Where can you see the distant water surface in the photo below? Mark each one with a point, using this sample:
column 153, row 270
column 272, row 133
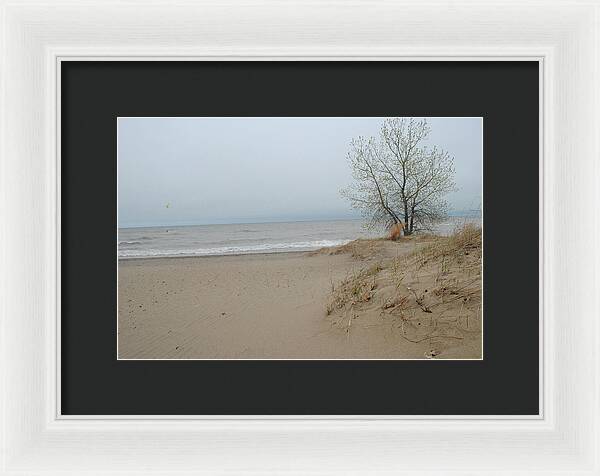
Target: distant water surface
column 212, row 240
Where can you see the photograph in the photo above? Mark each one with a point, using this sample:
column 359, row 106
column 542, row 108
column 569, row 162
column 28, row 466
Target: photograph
column 284, row 238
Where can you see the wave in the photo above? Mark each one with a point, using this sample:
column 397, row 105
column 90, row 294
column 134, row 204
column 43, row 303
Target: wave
column 233, row 250
column 130, row 243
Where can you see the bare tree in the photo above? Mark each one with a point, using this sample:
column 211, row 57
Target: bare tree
column 399, row 179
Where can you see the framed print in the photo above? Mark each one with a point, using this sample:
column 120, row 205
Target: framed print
column 329, row 239
column 226, row 264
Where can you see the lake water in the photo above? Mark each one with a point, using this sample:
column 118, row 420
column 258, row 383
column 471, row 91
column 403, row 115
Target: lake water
column 211, row 240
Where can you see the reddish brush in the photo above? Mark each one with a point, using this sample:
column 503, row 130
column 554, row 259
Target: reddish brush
column 396, row 231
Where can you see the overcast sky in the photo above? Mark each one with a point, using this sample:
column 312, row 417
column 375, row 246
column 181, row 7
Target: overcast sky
column 182, row 171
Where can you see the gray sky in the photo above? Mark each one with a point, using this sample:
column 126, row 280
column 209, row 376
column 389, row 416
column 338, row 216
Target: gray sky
column 174, row 171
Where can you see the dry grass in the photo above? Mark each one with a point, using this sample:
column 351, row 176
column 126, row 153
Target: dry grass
column 464, row 241
column 356, row 288
column 432, row 293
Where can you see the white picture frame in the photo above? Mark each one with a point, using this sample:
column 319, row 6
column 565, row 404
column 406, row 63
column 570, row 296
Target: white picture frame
column 562, row 35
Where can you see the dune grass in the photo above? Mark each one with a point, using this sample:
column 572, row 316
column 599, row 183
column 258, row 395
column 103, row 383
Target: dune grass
column 433, row 290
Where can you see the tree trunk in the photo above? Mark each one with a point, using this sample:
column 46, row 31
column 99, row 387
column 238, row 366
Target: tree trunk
column 407, row 229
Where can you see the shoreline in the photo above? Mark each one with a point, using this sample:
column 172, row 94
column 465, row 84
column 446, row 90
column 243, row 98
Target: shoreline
column 266, row 239
column 263, row 253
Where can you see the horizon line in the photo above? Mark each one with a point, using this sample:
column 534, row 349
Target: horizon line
column 454, row 213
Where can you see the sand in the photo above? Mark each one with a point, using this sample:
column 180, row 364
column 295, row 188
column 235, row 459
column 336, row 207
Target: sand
column 291, row 306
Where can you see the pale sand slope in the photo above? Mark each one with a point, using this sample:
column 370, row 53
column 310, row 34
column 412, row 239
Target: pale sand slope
column 265, row 306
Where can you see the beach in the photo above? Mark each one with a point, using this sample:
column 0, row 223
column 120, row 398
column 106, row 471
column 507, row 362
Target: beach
column 363, row 300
